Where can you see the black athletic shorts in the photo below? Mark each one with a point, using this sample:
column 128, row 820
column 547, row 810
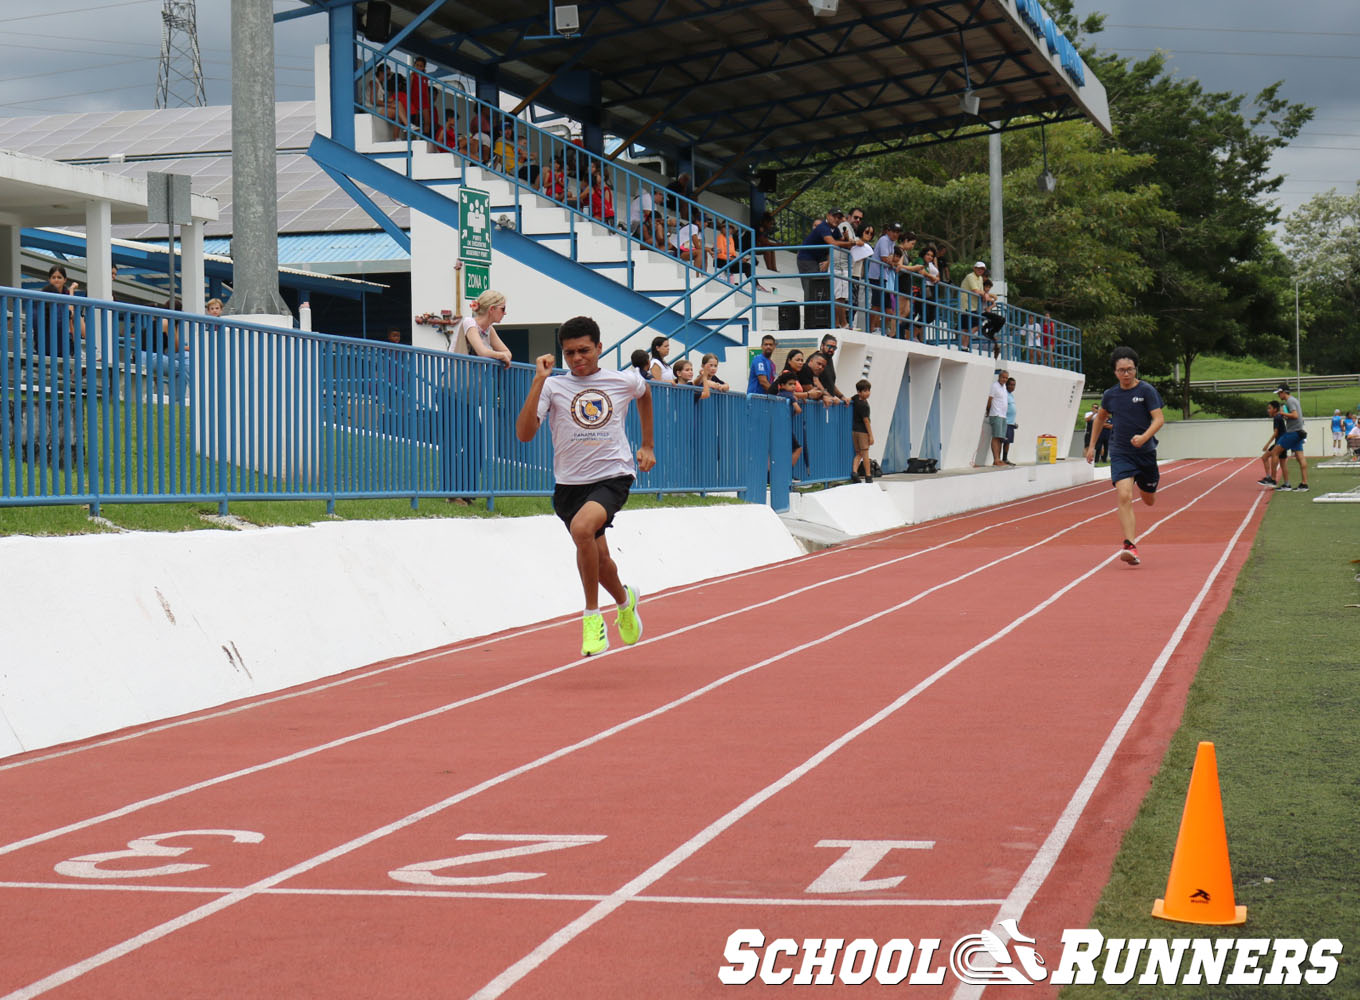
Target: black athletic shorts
column 611, row 494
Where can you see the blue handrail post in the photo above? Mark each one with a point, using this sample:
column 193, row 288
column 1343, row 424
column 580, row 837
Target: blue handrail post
column 780, row 445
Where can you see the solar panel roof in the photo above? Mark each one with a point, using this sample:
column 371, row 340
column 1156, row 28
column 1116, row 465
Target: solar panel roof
column 197, row 142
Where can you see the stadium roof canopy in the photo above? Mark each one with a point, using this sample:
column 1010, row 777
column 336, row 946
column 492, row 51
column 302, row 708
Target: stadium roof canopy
column 768, row 83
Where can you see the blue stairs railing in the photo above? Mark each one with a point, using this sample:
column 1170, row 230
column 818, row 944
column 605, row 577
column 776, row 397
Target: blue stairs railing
column 600, row 196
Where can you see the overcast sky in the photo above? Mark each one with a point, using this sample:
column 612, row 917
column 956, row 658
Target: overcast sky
column 69, row 55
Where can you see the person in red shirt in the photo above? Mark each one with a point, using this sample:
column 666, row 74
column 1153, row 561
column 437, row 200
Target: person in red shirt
column 420, row 102
column 601, row 196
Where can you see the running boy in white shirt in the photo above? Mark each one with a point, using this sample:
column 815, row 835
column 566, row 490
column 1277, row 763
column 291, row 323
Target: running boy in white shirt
column 592, row 464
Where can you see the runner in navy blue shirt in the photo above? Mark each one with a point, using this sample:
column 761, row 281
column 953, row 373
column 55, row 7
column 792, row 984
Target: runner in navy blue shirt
column 1135, row 410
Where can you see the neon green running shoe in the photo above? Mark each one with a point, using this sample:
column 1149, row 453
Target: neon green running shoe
column 628, row 620
column 594, row 638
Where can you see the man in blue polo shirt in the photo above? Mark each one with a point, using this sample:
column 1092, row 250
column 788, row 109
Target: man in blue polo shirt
column 762, row 368
column 1136, row 410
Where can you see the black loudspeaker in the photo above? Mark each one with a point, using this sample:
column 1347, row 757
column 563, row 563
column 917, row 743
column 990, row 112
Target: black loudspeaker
column 768, row 181
column 378, row 21
column 788, row 316
column 817, row 316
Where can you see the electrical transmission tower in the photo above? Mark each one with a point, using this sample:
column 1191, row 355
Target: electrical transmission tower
column 179, row 81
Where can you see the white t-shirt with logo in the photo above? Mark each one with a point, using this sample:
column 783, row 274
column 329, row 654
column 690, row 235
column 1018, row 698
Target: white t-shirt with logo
column 586, row 416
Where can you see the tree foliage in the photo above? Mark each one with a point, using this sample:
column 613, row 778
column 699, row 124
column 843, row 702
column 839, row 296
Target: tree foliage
column 1158, row 236
column 1322, row 240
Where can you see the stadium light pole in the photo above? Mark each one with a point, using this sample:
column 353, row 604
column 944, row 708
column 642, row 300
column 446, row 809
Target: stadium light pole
column 254, row 179
column 1298, row 365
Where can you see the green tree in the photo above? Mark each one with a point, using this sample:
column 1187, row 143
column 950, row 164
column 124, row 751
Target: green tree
column 1210, row 155
column 1322, row 240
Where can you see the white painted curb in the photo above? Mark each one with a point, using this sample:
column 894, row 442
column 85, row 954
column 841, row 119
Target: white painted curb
column 101, row 632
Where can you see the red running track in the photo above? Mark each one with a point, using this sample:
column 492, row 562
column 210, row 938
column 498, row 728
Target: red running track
column 910, row 737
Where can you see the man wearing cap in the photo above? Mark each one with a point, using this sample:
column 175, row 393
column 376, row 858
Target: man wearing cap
column 811, row 260
column 1338, row 434
column 970, row 303
column 1291, row 440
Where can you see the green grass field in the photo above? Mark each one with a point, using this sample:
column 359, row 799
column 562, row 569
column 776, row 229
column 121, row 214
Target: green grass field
column 1316, row 403
column 74, row 519
column 1278, row 694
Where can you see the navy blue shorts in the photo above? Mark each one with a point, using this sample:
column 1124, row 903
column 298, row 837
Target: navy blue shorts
column 1140, row 466
column 1290, row 441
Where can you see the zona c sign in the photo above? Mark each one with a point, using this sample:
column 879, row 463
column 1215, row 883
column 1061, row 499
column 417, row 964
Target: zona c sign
column 476, row 279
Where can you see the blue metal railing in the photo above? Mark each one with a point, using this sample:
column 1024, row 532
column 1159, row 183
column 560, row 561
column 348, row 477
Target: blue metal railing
column 912, row 307
column 593, row 188
column 105, row 402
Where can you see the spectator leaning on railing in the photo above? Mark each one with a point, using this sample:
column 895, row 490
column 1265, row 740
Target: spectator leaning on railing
column 827, row 353
column 762, row 367
column 815, row 258
column 811, row 377
column 923, row 306
column 876, row 271
column 970, row 302
column 909, row 278
column 707, row 379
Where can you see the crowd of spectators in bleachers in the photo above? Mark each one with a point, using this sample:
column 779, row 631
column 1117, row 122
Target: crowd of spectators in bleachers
column 854, row 272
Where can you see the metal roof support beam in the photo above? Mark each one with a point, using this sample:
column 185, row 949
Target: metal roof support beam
column 815, row 116
column 415, row 22
column 766, row 66
column 341, row 163
column 892, row 140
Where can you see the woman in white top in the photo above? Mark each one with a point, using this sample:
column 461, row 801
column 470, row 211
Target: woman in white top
column 477, row 336
column 661, row 346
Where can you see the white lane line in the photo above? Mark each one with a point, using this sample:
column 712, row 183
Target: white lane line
column 479, row 643
column 811, row 902
column 472, row 699
column 1042, row 866
column 565, row 935
column 191, row 917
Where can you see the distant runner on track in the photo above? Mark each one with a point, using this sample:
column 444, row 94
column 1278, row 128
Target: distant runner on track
column 592, row 464
column 1136, row 409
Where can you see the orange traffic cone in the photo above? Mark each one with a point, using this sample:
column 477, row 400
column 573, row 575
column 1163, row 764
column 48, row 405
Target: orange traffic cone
column 1199, row 889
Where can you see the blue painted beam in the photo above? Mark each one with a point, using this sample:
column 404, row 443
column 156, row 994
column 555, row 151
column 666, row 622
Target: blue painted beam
column 151, row 258
column 636, row 306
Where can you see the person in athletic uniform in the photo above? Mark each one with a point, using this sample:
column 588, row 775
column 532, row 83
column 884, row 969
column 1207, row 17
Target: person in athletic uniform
column 1136, row 409
column 592, row 464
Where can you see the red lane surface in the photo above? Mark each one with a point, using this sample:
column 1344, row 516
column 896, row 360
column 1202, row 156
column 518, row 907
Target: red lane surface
column 687, row 771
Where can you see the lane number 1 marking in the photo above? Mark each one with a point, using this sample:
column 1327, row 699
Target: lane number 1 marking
column 847, row 874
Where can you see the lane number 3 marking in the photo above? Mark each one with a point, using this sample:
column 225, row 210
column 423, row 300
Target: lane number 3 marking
column 88, row 865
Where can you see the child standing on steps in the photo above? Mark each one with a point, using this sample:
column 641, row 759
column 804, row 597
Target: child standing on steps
column 861, row 433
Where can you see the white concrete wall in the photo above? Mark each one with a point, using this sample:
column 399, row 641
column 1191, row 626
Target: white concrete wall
column 865, row 508
column 1232, row 438
column 107, row 631
column 1047, row 399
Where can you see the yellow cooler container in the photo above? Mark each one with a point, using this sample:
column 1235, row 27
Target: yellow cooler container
column 1046, row 450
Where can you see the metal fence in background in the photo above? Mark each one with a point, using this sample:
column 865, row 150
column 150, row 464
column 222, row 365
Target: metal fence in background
column 104, row 402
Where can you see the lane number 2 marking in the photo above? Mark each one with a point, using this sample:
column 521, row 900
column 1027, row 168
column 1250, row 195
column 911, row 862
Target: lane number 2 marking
column 427, row 872
column 88, row 865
